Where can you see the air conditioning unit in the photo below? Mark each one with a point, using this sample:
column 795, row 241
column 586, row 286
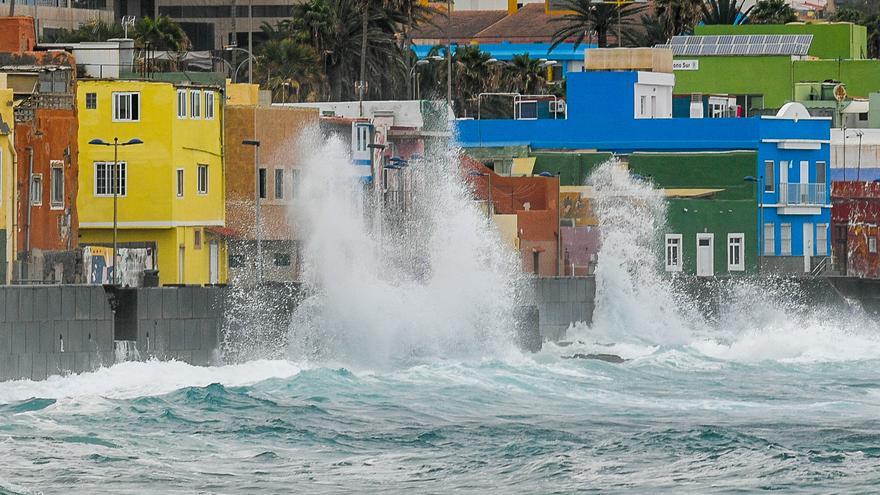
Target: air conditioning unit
column 557, row 106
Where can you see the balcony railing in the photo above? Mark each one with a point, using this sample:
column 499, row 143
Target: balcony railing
column 803, row 194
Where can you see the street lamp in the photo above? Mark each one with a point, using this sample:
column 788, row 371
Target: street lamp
column 259, row 227
column 859, row 162
column 489, row 204
column 412, row 73
column 250, row 58
column 115, row 185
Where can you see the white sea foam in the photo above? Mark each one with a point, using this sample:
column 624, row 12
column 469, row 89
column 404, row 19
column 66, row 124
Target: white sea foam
column 141, row 379
column 441, row 284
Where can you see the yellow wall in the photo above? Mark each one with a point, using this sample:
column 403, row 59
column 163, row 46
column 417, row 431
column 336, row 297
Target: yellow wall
column 7, row 176
column 242, row 93
column 507, row 227
column 151, row 209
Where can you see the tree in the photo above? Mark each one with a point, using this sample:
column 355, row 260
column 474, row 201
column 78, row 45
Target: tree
column 525, row 75
column 678, row 16
column 772, row 12
column 652, row 32
column 847, row 14
column 724, row 12
column 586, row 17
column 873, row 24
column 161, row 34
column 288, row 68
column 93, row 30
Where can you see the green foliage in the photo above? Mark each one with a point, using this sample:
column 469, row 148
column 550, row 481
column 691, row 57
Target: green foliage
column 724, row 12
column 586, row 17
column 161, row 33
column 652, row 32
column 93, row 30
column 848, row 14
column 678, row 16
column 772, row 12
column 290, row 70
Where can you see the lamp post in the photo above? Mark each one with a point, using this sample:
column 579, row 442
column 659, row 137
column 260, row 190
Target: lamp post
column 412, row 73
column 859, row 162
column 258, row 223
column 115, row 186
column 250, row 59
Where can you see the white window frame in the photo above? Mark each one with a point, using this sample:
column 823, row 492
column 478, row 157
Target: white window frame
column 123, row 180
column 769, row 179
column 279, row 187
column 179, row 182
column 769, row 239
column 679, row 244
column 822, row 247
column 202, row 185
column 872, row 245
column 36, row 190
column 195, row 104
column 181, row 103
column 116, row 98
column 53, row 166
column 740, row 245
column 209, row 105
column 784, row 244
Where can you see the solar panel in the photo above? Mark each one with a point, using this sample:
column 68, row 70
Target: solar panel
column 741, row 44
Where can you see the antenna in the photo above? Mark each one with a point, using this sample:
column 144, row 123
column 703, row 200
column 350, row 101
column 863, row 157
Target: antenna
column 127, row 21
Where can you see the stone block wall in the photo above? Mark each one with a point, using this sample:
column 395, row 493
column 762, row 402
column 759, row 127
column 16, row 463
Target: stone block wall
column 562, row 301
column 52, row 330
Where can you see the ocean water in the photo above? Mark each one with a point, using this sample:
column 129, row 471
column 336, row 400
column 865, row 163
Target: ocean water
column 697, row 418
column 399, row 375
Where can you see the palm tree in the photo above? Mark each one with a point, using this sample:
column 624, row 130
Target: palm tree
column 285, row 66
column 161, row 33
column 847, row 14
column 872, row 22
column 587, row 16
column 93, row 30
column 772, row 12
column 652, row 32
column 525, row 75
column 724, row 12
column 678, row 16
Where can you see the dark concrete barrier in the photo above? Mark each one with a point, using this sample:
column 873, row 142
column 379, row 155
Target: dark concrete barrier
column 562, row 301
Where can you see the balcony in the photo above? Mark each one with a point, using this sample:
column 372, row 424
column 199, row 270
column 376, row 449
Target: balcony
column 797, row 194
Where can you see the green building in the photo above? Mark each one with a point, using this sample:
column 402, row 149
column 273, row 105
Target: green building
column 767, row 80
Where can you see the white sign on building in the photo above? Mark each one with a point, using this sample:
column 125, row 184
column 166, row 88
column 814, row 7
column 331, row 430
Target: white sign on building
column 685, row 65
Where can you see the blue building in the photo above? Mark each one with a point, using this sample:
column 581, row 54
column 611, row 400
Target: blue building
column 631, row 112
column 567, row 57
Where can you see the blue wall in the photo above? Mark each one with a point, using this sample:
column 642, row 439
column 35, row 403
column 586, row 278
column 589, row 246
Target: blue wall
column 565, row 52
column 601, row 116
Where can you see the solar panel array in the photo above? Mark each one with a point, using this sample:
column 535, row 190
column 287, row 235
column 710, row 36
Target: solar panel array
column 741, row 44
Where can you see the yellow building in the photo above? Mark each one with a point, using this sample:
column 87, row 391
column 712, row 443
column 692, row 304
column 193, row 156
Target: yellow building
column 7, row 184
column 171, row 194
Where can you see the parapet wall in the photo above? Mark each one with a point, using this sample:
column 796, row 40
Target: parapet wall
column 562, row 301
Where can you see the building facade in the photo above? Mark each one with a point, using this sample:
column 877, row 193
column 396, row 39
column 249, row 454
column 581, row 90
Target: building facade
column 171, row 188
column 856, row 228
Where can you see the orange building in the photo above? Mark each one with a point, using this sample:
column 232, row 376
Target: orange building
column 43, row 85
column 280, row 132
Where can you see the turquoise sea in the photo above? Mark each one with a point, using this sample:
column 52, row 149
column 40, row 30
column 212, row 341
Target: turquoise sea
column 699, row 418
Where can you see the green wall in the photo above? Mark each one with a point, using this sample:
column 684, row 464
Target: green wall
column 774, row 77
column 830, row 40
column 720, row 217
column 700, row 170
column 572, row 167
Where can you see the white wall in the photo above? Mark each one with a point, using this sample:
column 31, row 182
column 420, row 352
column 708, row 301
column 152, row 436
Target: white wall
column 653, row 95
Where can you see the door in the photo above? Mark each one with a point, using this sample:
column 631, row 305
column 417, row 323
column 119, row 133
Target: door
column 215, row 263
column 180, row 265
column 808, row 247
column 841, row 247
column 705, row 255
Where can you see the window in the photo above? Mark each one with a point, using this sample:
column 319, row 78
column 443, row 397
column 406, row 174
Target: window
column 203, row 179
column 363, row 132
column 282, row 259
column 37, row 190
column 236, row 261
column 54, row 81
column 863, row 116
column 294, row 183
column 735, row 246
column 820, row 174
column 181, row 103
column 197, row 238
column 673, row 253
column 769, row 239
column 91, row 101
column 195, row 104
column 643, row 105
column 126, row 107
column 872, row 245
column 262, row 185
column 209, row 104
column 104, row 179
column 785, row 239
column 528, row 110
column 769, row 176
column 279, row 183
column 56, row 181
column 179, row 182
column 822, row 239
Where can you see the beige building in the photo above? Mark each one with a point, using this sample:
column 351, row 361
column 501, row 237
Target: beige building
column 53, row 15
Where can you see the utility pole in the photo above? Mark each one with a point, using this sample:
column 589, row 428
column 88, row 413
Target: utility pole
column 448, row 53
column 250, row 41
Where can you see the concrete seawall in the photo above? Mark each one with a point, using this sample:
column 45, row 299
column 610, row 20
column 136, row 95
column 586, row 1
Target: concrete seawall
column 562, row 301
